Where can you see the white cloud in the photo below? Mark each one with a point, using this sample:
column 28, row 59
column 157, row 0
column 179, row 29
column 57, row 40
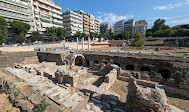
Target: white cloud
column 183, row 21
column 111, row 17
column 168, row 7
column 171, row 6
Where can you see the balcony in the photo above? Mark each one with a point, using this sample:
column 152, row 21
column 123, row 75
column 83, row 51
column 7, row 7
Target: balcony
column 57, row 23
column 15, row 8
column 15, row 15
column 45, row 20
column 56, row 16
column 44, row 7
column 50, row 3
column 44, row 13
column 22, row 4
column 58, row 12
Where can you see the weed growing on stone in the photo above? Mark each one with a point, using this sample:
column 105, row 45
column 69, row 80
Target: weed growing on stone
column 16, row 93
column 24, row 97
column 41, row 107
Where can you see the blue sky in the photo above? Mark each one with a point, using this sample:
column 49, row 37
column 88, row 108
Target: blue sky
column 173, row 11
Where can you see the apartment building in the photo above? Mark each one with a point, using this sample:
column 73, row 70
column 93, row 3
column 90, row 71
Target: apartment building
column 128, row 25
column 106, row 28
column 46, row 14
column 72, row 22
column 140, row 27
column 97, row 26
column 119, row 26
column 92, row 23
column 16, row 9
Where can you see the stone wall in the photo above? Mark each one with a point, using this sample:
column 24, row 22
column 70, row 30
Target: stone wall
column 11, row 59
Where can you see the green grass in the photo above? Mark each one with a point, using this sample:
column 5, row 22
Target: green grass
column 41, row 107
column 16, row 93
column 24, row 97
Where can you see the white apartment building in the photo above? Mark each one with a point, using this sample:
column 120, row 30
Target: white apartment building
column 97, row 26
column 72, row 22
column 16, row 9
column 92, row 23
column 46, row 14
column 140, row 27
column 119, row 27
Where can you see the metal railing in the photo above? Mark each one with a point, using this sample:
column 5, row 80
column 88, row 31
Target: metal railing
column 14, row 14
column 14, row 7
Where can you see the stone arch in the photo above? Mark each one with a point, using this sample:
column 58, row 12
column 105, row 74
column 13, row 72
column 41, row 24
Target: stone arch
column 76, row 59
column 80, row 61
column 165, row 73
column 166, row 70
column 145, row 69
column 130, row 67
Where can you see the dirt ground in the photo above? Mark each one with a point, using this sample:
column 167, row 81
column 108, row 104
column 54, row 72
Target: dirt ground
column 5, row 105
column 180, row 103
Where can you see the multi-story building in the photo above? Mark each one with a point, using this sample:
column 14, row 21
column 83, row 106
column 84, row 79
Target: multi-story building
column 140, row 27
column 72, row 22
column 46, row 14
column 92, row 23
column 18, row 10
column 131, row 26
column 97, row 26
column 106, row 28
column 128, row 25
column 119, row 27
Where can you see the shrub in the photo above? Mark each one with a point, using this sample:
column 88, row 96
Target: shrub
column 24, row 97
column 41, row 107
column 16, row 93
column 138, row 41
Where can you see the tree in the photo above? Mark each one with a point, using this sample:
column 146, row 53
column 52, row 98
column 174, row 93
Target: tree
column 3, row 30
column 185, row 32
column 78, row 34
column 52, row 32
column 101, row 35
column 20, row 28
column 61, row 33
column 125, row 35
column 168, row 32
column 92, row 35
column 84, row 35
column 158, row 25
column 148, row 34
column 36, row 36
column 138, row 41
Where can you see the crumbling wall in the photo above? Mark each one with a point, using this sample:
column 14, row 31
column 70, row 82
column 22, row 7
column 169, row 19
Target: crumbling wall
column 140, row 99
column 10, row 59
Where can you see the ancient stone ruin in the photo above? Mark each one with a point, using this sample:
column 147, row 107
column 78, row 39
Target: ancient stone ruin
column 101, row 81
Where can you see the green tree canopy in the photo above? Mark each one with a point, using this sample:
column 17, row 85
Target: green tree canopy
column 56, row 33
column 61, row 33
column 158, row 25
column 36, row 36
column 3, row 30
column 138, row 41
column 20, row 28
column 78, row 34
